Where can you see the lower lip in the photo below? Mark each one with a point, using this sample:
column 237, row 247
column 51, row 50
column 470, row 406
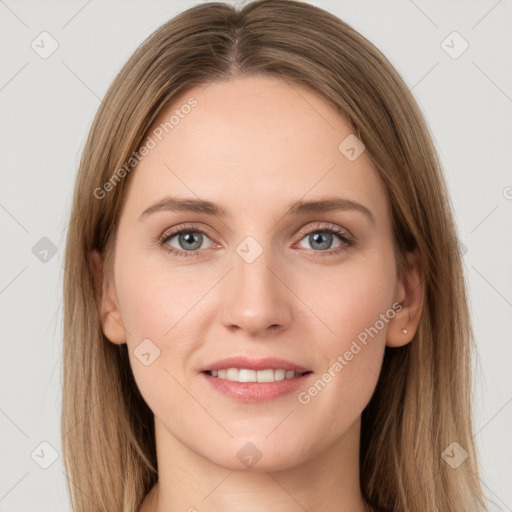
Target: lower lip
column 255, row 392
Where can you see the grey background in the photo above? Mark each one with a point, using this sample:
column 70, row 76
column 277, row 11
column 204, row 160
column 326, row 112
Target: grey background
column 48, row 105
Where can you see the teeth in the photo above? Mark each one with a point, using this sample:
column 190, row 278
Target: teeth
column 263, row 375
column 232, row 374
column 245, row 375
column 279, row 374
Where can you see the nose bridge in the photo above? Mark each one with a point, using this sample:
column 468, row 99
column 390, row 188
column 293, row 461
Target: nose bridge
column 255, row 297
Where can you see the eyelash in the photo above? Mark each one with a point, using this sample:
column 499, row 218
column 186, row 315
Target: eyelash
column 347, row 240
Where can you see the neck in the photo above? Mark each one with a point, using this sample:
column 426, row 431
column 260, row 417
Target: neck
column 328, row 480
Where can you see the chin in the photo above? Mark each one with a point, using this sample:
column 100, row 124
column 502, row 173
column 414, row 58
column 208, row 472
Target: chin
column 258, row 455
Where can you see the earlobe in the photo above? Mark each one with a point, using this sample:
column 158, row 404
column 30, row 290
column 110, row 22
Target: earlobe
column 410, row 295
column 110, row 317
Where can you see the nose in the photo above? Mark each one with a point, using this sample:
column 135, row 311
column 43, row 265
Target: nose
column 256, row 298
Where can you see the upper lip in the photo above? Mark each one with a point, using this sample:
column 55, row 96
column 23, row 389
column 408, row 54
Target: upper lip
column 264, row 363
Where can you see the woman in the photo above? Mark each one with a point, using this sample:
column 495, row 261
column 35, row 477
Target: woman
column 264, row 301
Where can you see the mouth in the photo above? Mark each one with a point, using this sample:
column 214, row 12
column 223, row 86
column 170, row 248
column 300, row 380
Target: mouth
column 246, row 379
column 247, row 375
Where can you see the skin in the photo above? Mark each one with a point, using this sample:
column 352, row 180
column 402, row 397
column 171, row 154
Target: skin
column 253, row 145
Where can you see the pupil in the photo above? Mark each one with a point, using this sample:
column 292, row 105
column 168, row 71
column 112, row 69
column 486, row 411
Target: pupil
column 317, row 238
column 191, row 238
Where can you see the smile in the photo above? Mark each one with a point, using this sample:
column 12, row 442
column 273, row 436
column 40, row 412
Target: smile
column 247, row 375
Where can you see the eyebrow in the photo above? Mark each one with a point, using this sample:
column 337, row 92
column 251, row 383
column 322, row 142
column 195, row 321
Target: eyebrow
column 300, row 207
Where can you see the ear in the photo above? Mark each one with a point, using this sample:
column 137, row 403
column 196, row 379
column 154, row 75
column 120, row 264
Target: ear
column 111, row 322
column 410, row 293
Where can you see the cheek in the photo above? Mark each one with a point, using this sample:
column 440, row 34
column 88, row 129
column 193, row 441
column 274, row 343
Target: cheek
column 356, row 305
column 158, row 307
column 154, row 298
column 351, row 297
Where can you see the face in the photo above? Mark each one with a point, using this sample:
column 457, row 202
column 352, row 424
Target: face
column 282, row 248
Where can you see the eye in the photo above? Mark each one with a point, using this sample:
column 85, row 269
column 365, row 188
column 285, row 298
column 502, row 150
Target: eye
column 185, row 242
column 327, row 239
column 188, row 241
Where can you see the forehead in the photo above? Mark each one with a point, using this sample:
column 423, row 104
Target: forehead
column 250, row 141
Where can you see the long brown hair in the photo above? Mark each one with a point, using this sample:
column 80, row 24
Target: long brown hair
column 422, row 401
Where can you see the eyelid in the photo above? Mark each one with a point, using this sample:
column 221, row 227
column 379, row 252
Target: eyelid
column 330, row 227
column 183, row 228
column 303, row 231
